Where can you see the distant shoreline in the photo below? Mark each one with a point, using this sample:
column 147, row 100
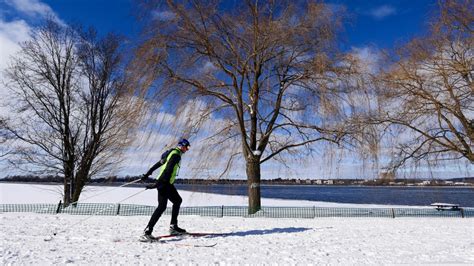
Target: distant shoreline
column 117, row 184
column 335, row 196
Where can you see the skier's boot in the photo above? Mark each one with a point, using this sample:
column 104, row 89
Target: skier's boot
column 175, row 230
column 147, row 237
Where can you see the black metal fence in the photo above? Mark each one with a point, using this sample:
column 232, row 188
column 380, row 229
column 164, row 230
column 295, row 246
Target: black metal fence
column 239, row 211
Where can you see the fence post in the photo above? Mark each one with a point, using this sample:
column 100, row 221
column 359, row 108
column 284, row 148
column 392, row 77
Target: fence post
column 314, row 212
column 462, row 212
column 118, row 209
column 393, row 213
column 59, row 207
column 222, row 211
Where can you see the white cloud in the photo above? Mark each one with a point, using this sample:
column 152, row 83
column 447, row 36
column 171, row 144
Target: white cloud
column 11, row 34
column 368, row 57
column 31, row 7
column 34, row 9
column 15, row 31
column 382, row 12
column 208, row 68
column 163, row 15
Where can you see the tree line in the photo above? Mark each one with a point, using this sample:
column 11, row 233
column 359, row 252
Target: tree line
column 114, row 180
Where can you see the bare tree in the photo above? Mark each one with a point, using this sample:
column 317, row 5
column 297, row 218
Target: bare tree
column 428, row 92
column 72, row 112
column 109, row 112
column 43, row 81
column 267, row 68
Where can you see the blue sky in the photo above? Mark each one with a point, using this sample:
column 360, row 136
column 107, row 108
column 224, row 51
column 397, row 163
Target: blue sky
column 385, row 23
column 379, row 23
column 106, row 15
column 372, row 25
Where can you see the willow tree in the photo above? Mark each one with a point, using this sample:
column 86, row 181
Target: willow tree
column 268, row 66
column 428, row 91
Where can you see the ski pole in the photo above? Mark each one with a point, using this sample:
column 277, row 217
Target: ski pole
column 96, row 213
column 103, row 192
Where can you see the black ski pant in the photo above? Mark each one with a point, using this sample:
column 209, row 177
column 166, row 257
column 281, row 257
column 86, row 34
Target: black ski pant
column 165, row 193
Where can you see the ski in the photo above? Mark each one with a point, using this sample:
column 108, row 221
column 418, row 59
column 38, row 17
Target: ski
column 160, row 237
column 181, row 244
column 190, row 234
column 196, row 245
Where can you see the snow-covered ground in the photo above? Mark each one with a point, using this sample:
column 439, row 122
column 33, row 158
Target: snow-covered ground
column 112, row 240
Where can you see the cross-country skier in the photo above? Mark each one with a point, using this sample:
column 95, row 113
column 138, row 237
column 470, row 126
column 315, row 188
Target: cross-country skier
column 170, row 165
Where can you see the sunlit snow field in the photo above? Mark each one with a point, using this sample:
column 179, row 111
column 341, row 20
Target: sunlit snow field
column 111, row 240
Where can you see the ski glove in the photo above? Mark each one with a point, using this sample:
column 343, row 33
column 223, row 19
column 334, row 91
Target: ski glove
column 152, row 186
column 144, row 177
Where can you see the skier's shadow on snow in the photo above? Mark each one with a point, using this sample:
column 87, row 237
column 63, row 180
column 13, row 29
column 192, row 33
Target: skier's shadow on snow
column 254, row 233
column 262, row 232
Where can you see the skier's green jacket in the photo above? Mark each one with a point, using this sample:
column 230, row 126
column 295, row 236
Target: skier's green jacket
column 170, row 169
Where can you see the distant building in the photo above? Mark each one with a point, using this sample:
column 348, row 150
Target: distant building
column 329, row 182
column 318, row 182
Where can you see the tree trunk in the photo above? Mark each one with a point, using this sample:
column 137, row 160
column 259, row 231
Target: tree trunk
column 79, row 185
column 253, row 180
column 68, row 178
column 67, row 191
column 82, row 177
